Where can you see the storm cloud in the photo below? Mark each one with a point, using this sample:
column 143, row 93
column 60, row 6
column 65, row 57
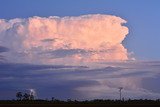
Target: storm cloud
column 92, row 35
column 81, row 82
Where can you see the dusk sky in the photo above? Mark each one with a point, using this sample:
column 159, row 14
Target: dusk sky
column 80, row 49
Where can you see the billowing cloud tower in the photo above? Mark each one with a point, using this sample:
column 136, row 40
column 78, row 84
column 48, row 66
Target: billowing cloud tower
column 83, row 38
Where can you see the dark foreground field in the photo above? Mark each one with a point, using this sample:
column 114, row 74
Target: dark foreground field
column 93, row 103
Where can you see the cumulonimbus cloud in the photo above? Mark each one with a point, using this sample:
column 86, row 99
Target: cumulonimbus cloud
column 84, row 38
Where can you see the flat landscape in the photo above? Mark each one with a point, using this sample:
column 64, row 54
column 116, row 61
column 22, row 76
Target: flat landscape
column 94, row 103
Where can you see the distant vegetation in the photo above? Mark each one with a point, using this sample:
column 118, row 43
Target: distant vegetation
column 24, row 99
column 25, row 96
column 69, row 101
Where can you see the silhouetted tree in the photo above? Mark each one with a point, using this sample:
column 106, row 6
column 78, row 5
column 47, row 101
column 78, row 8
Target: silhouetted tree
column 69, row 100
column 31, row 97
column 26, row 96
column 19, row 95
column 53, row 98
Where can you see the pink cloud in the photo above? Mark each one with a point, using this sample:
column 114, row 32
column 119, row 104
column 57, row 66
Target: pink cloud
column 99, row 35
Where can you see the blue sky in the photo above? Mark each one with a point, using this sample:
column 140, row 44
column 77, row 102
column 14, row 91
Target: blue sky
column 142, row 16
column 39, row 60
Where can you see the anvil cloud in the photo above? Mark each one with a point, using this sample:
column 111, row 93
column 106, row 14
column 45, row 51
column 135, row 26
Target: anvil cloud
column 54, row 39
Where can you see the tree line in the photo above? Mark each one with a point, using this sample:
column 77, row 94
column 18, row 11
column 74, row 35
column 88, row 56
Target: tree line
column 24, row 96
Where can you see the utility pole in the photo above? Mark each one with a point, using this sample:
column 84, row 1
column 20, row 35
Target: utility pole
column 120, row 93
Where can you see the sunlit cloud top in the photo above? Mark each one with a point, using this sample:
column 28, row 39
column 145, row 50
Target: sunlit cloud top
column 87, row 38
